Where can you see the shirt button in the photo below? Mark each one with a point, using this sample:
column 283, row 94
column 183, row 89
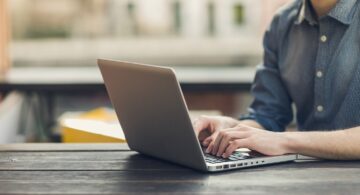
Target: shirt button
column 320, row 108
column 319, row 74
column 323, row 38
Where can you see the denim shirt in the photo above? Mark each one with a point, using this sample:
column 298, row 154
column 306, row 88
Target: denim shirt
column 313, row 64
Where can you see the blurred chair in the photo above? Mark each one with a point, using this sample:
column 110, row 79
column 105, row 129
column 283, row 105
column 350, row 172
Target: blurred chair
column 10, row 114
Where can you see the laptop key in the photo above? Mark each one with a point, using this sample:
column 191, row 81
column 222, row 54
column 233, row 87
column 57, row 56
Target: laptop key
column 212, row 162
column 234, row 158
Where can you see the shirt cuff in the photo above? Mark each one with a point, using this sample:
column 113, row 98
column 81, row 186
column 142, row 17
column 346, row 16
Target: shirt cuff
column 267, row 123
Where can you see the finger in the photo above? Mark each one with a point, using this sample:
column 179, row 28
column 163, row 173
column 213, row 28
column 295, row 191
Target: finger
column 216, row 142
column 207, row 141
column 229, row 136
column 212, row 140
column 234, row 145
column 209, row 148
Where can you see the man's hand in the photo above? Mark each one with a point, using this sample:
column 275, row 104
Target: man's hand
column 223, row 135
column 243, row 136
column 207, row 127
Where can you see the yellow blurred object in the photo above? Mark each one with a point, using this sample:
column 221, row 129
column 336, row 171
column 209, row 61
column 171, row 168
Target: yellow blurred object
column 102, row 114
column 96, row 126
column 100, row 126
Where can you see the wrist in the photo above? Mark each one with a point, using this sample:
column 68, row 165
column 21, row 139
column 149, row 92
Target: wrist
column 289, row 142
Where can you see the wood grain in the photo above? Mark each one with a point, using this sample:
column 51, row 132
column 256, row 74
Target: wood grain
column 75, row 171
column 62, row 147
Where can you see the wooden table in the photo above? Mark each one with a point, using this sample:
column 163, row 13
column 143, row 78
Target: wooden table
column 114, row 169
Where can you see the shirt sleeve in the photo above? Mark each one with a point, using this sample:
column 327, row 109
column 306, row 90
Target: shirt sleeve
column 271, row 106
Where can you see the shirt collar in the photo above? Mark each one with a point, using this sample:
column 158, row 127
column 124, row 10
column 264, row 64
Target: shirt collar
column 306, row 13
column 343, row 12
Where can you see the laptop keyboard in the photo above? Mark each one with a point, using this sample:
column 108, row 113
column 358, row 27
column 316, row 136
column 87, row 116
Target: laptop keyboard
column 234, row 157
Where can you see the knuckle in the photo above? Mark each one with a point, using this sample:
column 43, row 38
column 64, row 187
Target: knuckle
column 213, row 138
column 235, row 143
column 240, row 125
column 227, row 136
column 242, row 128
column 251, row 139
column 211, row 144
column 222, row 133
column 230, row 149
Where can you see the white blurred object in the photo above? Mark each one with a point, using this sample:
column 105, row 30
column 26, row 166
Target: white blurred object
column 153, row 17
column 303, row 158
column 197, row 113
column 10, row 111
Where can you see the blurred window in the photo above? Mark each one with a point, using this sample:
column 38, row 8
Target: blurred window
column 163, row 32
column 239, row 16
column 177, row 17
column 211, row 18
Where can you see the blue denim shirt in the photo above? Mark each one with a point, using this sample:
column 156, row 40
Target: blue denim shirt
column 313, row 64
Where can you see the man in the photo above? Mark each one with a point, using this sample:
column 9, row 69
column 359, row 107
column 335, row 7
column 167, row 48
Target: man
column 312, row 60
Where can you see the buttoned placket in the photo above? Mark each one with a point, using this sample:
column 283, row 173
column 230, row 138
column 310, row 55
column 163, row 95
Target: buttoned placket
column 319, row 85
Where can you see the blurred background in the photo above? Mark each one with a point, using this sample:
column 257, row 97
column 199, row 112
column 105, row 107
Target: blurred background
column 166, row 32
column 41, row 39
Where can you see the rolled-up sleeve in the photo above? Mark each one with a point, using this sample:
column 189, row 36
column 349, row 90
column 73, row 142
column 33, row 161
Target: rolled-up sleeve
column 272, row 104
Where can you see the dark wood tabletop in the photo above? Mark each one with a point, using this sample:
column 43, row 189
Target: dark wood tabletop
column 114, row 169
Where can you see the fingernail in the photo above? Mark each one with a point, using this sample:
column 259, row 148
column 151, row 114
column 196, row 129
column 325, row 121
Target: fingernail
column 224, row 156
column 207, row 150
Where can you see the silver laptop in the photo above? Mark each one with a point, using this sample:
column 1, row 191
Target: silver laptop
column 153, row 114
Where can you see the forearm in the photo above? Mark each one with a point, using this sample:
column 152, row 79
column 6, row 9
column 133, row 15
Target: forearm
column 342, row 144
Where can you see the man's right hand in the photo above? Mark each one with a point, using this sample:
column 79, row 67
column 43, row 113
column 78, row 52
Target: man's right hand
column 208, row 127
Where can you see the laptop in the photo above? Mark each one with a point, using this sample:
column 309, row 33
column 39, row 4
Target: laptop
column 153, row 114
